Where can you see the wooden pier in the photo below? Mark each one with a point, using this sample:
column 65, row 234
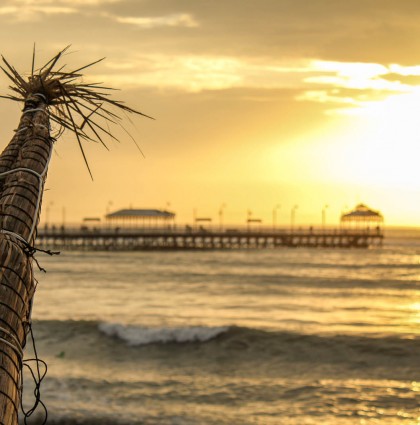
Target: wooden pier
column 108, row 239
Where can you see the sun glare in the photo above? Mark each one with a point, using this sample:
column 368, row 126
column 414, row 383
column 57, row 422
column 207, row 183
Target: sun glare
column 377, row 143
column 384, row 149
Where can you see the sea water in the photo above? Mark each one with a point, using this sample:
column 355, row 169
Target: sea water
column 282, row 336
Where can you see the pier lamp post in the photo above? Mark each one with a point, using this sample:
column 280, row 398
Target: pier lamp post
column 277, row 207
column 293, row 216
column 107, row 211
column 63, row 217
column 47, row 214
column 194, row 218
column 222, row 207
column 324, row 213
column 248, row 219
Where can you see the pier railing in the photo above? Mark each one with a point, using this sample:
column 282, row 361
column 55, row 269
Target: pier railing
column 189, row 237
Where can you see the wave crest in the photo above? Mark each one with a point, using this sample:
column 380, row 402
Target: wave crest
column 139, row 335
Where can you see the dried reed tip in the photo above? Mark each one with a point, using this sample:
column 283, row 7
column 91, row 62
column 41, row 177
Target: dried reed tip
column 84, row 109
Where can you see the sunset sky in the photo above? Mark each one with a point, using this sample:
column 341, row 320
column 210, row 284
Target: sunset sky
column 258, row 105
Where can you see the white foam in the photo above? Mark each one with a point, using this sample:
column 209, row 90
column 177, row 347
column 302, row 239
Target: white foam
column 138, row 335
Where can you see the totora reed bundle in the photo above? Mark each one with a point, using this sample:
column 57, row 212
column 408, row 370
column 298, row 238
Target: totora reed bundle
column 49, row 95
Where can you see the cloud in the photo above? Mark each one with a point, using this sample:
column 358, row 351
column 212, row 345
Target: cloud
column 279, row 44
column 195, row 73
column 52, row 10
column 405, row 70
column 66, row 2
column 174, row 20
column 34, row 12
column 358, row 84
column 8, row 10
column 316, row 78
column 366, row 76
column 188, row 73
column 342, row 87
column 325, row 96
column 408, row 80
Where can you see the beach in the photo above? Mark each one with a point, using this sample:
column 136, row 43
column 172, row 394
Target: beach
column 276, row 336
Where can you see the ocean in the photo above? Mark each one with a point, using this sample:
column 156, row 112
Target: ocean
column 278, row 336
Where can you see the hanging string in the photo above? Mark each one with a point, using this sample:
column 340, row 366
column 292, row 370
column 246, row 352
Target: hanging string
column 29, row 249
column 37, row 378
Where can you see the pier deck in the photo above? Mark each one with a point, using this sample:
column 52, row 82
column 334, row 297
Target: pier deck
column 172, row 239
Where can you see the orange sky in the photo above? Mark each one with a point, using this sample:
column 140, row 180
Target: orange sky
column 259, row 105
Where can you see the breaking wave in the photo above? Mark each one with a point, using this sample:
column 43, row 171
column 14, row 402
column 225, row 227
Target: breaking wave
column 138, row 335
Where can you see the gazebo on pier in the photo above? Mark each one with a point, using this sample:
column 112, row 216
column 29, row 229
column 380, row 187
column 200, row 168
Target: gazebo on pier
column 363, row 216
column 141, row 218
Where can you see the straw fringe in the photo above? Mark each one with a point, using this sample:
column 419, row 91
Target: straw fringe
column 82, row 108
